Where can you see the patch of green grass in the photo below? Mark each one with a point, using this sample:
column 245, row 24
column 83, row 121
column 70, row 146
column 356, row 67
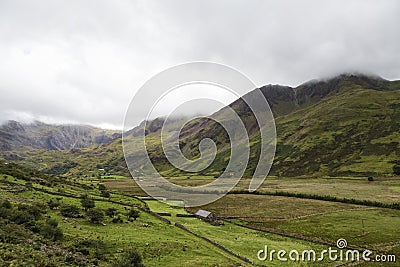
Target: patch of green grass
column 395, row 188
column 248, row 242
column 166, row 245
column 160, row 244
column 382, row 189
column 270, row 208
column 127, row 185
column 245, row 242
column 112, row 177
column 367, row 228
column 342, row 187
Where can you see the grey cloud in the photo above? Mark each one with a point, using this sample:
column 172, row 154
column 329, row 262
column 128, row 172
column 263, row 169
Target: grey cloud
column 81, row 61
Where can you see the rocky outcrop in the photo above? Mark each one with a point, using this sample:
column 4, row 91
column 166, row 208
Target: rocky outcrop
column 15, row 135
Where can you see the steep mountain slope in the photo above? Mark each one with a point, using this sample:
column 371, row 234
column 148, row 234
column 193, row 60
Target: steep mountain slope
column 352, row 131
column 345, row 125
column 284, row 100
column 15, row 136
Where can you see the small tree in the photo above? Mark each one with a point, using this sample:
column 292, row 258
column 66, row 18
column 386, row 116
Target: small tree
column 105, row 194
column 133, row 214
column 36, row 209
column 117, row 219
column 23, row 217
column 51, row 231
column 371, row 179
column 68, row 210
column 53, row 204
column 396, row 169
column 110, row 212
column 95, row 215
column 130, row 258
column 6, row 204
column 87, row 203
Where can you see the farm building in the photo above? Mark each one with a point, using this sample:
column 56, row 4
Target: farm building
column 208, row 216
column 205, row 215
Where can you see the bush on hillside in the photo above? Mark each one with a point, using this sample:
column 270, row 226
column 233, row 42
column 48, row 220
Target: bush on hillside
column 130, row 258
column 71, row 211
column 87, row 203
column 50, row 230
column 134, row 214
column 396, row 169
column 95, row 215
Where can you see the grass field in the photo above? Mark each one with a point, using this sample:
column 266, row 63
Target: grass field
column 385, row 190
column 243, row 241
column 372, row 228
column 126, row 185
column 162, row 244
column 112, row 176
column 273, row 208
column 159, row 243
column 362, row 226
column 381, row 189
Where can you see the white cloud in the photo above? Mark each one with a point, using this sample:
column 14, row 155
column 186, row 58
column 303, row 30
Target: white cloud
column 81, row 61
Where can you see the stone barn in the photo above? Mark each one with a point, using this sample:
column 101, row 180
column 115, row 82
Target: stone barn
column 205, row 215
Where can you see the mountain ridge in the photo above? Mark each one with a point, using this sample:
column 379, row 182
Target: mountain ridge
column 38, row 135
column 357, row 93
column 345, row 125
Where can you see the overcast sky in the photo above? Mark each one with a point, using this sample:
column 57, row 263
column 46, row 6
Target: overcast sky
column 82, row 61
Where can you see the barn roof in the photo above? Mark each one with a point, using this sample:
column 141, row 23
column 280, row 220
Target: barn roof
column 203, row 213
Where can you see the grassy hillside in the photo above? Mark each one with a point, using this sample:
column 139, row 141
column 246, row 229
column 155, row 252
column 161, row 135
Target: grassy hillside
column 353, row 132
column 348, row 125
column 315, row 220
column 344, row 126
column 36, row 229
column 74, row 206
column 43, row 222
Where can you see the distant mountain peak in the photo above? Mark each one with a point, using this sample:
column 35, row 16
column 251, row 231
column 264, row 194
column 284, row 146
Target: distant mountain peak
column 13, row 125
column 15, row 135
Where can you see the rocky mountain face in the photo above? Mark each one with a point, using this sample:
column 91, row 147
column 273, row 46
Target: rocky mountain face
column 16, row 136
column 284, row 99
column 348, row 125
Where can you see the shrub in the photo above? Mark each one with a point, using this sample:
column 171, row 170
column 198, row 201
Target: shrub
column 71, row 211
column 53, row 204
column 110, row 212
column 133, row 214
column 105, row 194
column 87, row 202
column 95, row 215
column 61, row 168
column 51, row 231
column 396, row 169
column 130, row 258
column 117, row 220
column 370, row 178
column 6, row 204
column 5, row 213
column 36, row 209
column 13, row 233
column 22, row 217
column 85, row 246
